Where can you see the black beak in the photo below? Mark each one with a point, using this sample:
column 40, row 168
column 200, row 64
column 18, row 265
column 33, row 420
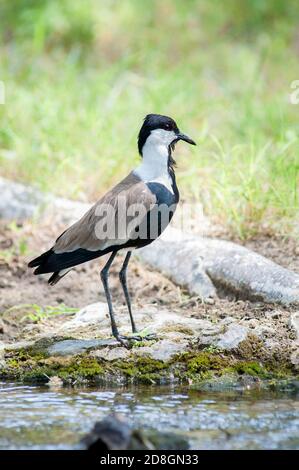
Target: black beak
column 184, row 137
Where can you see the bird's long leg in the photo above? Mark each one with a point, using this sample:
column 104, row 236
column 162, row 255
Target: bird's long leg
column 123, row 281
column 104, row 277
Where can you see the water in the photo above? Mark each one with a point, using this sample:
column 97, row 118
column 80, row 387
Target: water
column 35, row 417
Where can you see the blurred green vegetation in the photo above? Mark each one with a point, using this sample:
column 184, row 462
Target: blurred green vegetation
column 80, row 76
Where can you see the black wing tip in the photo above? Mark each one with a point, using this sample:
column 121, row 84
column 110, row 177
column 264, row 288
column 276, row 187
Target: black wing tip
column 54, row 279
column 40, row 261
column 38, row 270
column 34, row 262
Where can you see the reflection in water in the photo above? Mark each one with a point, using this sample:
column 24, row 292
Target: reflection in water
column 36, row 417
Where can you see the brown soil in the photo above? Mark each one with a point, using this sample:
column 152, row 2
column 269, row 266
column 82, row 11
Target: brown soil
column 82, row 286
column 283, row 251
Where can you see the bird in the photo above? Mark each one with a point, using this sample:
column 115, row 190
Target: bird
column 129, row 216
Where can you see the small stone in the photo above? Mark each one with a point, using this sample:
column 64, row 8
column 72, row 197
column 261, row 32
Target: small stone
column 5, row 283
column 112, row 433
column 209, row 301
column 295, row 358
column 272, row 345
column 162, row 350
column 111, row 354
column 210, row 329
column 264, row 331
column 2, row 327
column 294, row 323
column 252, row 323
column 31, row 328
column 90, row 315
column 19, row 345
column 233, row 336
column 227, row 320
column 55, row 383
column 274, row 315
column 71, row 347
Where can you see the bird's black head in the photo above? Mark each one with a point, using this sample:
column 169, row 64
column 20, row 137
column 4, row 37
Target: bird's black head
column 163, row 130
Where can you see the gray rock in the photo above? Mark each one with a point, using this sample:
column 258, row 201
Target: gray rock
column 163, row 350
column 92, row 314
column 111, row 354
column 113, row 433
column 71, row 347
column 264, row 332
column 2, row 351
column 2, row 327
column 20, row 202
column 175, row 333
column 294, row 323
column 155, row 320
column 19, row 345
column 233, row 336
column 272, row 344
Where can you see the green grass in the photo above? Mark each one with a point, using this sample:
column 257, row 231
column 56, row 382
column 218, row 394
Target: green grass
column 80, row 76
column 36, row 313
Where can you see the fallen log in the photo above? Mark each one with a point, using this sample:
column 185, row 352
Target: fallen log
column 202, row 263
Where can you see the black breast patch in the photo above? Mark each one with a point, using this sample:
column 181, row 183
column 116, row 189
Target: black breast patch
column 159, row 216
column 163, row 195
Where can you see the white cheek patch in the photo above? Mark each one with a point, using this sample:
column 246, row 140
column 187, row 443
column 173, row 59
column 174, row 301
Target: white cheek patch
column 161, row 137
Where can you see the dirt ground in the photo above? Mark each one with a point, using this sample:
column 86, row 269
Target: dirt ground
column 19, row 288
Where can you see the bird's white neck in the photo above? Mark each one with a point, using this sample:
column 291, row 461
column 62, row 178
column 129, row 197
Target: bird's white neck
column 155, row 155
column 154, row 162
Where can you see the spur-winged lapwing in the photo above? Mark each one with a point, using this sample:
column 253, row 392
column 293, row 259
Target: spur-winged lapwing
column 133, row 214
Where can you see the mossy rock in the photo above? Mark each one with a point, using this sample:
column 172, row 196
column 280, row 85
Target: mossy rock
column 34, row 365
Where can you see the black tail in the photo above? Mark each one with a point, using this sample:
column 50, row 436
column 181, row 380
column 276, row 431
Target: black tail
column 51, row 262
column 42, row 264
column 55, row 278
column 40, row 260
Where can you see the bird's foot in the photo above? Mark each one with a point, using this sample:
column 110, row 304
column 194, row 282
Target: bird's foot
column 143, row 335
column 124, row 340
column 140, row 336
column 128, row 341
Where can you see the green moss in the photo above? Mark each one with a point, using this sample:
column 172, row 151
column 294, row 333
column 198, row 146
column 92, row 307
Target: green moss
column 142, row 369
column 207, row 364
column 206, row 361
column 34, row 365
column 202, row 365
column 143, row 343
column 39, row 368
column 251, row 368
column 81, row 368
column 24, row 355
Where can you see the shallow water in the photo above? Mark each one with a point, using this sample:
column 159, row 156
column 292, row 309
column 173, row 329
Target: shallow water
column 34, row 417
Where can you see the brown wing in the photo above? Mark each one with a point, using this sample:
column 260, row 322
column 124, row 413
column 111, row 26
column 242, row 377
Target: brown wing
column 111, row 214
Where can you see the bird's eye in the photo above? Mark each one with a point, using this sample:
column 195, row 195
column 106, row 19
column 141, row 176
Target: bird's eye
column 167, row 126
